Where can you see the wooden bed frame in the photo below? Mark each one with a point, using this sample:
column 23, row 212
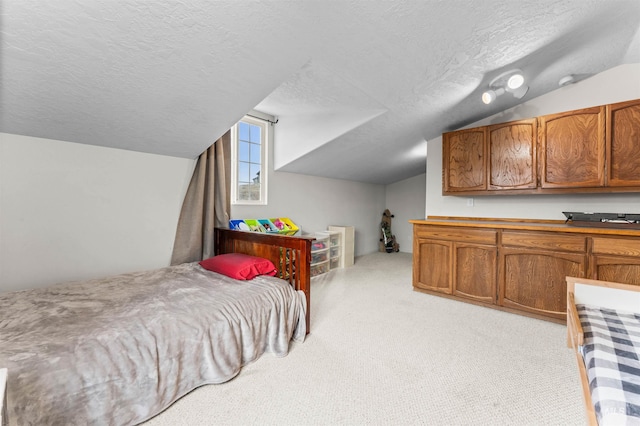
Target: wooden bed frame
column 601, row 293
column 291, row 255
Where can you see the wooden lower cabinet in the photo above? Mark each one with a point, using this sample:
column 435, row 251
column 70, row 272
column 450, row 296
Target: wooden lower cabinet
column 534, row 267
column 616, row 259
column 535, row 280
column 474, row 272
column 435, row 259
column 456, row 263
column 520, row 268
column 616, row 269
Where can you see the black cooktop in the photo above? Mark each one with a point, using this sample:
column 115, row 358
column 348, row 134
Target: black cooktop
column 602, row 218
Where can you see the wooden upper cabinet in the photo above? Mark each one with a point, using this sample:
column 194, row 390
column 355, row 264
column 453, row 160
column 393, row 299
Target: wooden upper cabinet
column 572, row 149
column 587, row 150
column 464, row 160
column 512, row 155
column 623, row 144
column 498, row 157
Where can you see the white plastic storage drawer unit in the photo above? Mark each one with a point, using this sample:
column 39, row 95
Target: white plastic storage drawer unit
column 320, row 254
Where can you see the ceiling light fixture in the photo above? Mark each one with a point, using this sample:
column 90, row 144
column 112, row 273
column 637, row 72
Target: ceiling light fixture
column 491, row 95
column 515, row 81
column 510, row 81
column 566, row 80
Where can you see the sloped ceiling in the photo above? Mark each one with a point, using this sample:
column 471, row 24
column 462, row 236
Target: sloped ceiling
column 357, row 86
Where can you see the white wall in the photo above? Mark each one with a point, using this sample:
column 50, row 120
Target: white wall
column 70, row 211
column 340, row 202
column 313, row 203
column 406, row 200
column 615, row 85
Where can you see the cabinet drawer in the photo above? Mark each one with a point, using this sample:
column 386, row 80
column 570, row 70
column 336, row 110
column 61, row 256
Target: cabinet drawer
column 541, row 240
column 619, row 246
column 478, row 236
column 319, row 256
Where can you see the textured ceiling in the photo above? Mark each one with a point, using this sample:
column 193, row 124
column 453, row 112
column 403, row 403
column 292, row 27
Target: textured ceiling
column 358, row 86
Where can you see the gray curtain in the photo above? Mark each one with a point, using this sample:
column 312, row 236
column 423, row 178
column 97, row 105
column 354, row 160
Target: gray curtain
column 206, row 205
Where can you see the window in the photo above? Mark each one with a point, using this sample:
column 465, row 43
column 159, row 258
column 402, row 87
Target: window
column 249, row 161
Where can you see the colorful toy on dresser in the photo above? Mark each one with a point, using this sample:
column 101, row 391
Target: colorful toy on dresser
column 281, row 225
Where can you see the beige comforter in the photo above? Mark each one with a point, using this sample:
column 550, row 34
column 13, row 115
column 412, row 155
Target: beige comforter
column 120, row 350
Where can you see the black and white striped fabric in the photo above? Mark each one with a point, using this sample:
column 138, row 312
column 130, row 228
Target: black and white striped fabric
column 611, row 353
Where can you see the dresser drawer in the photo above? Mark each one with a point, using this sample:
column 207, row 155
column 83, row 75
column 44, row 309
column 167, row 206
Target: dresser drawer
column 617, row 246
column 477, row 236
column 546, row 241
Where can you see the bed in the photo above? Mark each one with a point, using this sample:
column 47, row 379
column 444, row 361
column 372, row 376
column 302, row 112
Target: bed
column 603, row 328
column 119, row 350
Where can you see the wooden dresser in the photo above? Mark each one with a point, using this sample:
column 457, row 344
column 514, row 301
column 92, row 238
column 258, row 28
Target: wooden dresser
column 518, row 265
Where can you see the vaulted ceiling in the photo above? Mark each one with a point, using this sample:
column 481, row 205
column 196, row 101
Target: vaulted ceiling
column 357, row 86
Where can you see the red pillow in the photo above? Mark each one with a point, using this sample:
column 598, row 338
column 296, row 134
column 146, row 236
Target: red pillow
column 239, row 266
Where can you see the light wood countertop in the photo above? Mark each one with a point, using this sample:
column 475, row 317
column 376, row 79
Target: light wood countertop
column 525, row 225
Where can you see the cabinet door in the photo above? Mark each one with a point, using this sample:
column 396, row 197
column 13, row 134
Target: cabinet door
column 624, row 270
column 464, row 161
column 512, row 155
column 434, row 263
column 475, row 272
column 534, row 280
column 572, row 149
column 616, row 259
column 623, row 140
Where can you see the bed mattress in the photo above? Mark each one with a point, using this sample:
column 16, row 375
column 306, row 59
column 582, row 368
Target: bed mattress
column 118, row 351
column 611, row 354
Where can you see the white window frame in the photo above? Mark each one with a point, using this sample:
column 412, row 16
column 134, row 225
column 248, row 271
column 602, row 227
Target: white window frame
column 264, row 144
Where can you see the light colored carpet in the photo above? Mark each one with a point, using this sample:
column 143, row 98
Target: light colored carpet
column 380, row 353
